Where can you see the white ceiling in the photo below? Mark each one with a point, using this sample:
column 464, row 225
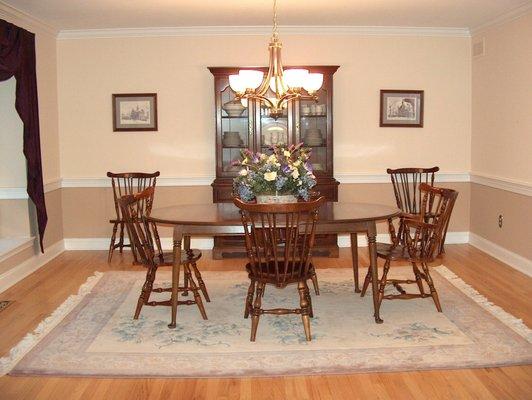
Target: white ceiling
column 92, row 14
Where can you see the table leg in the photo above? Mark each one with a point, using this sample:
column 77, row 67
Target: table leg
column 186, row 247
column 372, row 240
column 354, row 257
column 178, row 234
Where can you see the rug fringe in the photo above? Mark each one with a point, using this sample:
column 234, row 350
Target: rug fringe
column 33, row 338
column 506, row 318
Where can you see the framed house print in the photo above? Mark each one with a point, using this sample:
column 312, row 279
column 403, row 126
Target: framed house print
column 134, row 112
column 401, row 108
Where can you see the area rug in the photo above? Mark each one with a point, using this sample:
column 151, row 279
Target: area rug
column 93, row 333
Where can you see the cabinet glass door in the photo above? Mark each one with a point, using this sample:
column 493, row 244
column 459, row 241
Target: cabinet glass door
column 272, row 132
column 236, row 129
column 313, row 129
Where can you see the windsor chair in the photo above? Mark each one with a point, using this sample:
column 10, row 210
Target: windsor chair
column 423, row 234
column 141, row 236
column 279, row 240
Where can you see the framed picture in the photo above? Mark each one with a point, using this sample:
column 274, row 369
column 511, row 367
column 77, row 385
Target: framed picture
column 134, row 112
column 401, row 108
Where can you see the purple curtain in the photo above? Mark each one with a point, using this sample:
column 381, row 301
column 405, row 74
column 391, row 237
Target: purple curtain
column 17, row 58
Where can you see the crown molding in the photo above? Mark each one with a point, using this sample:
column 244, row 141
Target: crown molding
column 9, row 12
column 507, row 184
column 261, row 30
column 503, row 18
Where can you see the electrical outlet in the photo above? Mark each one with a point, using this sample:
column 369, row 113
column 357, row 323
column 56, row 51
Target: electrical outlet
column 501, row 219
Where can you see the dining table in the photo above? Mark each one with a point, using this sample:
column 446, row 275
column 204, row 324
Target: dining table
column 216, row 219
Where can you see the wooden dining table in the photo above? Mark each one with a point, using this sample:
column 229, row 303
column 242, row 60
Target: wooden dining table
column 217, row 219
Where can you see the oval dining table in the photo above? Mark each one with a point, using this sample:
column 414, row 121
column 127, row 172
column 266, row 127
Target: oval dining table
column 216, row 219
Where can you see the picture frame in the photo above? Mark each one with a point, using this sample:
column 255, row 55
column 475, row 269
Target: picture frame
column 134, row 112
column 401, row 108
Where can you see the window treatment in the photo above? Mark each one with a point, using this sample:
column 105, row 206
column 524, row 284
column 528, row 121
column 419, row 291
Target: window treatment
column 17, row 58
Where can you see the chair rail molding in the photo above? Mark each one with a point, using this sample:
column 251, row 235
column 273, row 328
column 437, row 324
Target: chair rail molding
column 510, row 185
column 385, row 178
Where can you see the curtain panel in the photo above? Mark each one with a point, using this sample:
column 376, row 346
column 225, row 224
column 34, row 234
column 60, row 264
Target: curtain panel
column 17, row 58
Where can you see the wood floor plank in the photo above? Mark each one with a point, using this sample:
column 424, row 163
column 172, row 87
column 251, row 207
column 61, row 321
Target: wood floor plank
column 42, row 292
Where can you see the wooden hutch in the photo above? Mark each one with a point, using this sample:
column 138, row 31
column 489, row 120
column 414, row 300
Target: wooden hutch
column 304, row 121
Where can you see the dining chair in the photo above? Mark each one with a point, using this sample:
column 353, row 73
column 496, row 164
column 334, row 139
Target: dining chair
column 128, row 183
column 406, row 183
column 279, row 239
column 423, row 233
column 140, row 234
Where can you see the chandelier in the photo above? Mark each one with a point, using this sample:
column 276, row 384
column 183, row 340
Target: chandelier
column 287, row 85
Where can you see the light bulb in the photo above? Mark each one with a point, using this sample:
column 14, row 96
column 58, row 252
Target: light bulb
column 236, row 84
column 313, row 82
column 295, row 78
column 251, row 79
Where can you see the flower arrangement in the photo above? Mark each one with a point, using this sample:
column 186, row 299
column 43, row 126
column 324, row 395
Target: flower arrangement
column 286, row 171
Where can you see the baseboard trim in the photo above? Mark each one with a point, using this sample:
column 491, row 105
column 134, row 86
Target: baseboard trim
column 514, row 260
column 206, row 243
column 16, row 274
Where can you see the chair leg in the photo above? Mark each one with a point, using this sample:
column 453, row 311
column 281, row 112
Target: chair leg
column 195, row 290
column 186, row 284
column 383, row 280
column 201, row 284
column 314, row 279
column 158, row 242
column 303, row 301
column 113, row 240
column 418, row 278
column 249, row 299
column 310, row 309
column 146, row 290
column 121, row 238
column 367, row 281
column 433, row 291
column 255, row 312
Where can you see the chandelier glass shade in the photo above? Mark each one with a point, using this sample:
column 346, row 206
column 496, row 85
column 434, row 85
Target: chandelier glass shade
column 287, row 85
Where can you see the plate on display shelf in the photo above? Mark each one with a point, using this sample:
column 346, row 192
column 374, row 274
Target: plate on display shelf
column 275, row 132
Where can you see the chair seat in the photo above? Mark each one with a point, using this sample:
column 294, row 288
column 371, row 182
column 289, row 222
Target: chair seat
column 400, row 252
column 187, row 256
column 268, row 273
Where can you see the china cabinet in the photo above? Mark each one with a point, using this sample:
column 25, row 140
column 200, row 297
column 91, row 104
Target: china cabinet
column 240, row 126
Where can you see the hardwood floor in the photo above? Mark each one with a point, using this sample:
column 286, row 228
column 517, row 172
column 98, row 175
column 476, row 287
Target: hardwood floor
column 40, row 293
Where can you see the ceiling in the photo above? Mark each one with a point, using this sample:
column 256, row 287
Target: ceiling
column 92, row 14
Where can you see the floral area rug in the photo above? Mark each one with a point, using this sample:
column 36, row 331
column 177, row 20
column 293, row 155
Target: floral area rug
column 94, row 334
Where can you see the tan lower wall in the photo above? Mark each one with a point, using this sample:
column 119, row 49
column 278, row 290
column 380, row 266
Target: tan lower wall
column 14, row 218
column 486, row 205
column 86, row 211
column 53, row 234
column 17, row 259
column 54, row 208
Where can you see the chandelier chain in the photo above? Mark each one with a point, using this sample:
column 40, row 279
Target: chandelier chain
column 275, row 33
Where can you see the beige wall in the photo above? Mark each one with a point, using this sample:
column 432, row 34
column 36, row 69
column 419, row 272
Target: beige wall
column 502, row 102
column 90, row 70
column 502, row 133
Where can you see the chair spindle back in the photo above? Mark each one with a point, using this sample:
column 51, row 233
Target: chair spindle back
column 129, row 183
column 279, row 238
column 406, row 183
column 429, row 229
column 138, row 228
